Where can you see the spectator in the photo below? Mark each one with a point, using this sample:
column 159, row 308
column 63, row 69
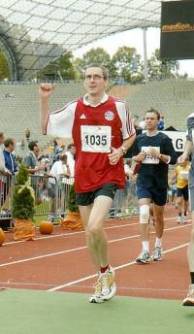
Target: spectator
column 4, row 173
column 31, row 160
column 161, row 123
column 10, row 162
column 71, row 151
column 3, row 169
column 57, row 150
column 60, row 168
column 60, row 173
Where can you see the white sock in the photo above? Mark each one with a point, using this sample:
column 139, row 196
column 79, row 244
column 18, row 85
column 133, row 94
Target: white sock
column 158, row 242
column 145, row 246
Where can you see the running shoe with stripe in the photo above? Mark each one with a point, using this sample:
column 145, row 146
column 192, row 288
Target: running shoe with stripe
column 144, row 257
column 105, row 287
column 157, row 254
column 109, row 287
column 189, row 300
column 96, row 297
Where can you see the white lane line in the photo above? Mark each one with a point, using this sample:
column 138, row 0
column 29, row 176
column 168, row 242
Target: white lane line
column 83, row 279
column 34, row 258
column 79, row 232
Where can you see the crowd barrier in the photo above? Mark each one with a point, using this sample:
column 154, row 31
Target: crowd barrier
column 52, row 195
column 125, row 201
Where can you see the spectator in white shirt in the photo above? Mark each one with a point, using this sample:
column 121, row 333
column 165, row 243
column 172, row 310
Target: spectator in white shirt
column 71, row 151
column 60, row 173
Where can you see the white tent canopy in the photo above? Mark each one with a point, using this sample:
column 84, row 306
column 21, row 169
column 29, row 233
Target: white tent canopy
column 40, row 30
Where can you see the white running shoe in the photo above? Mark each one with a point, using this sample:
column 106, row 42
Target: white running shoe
column 109, row 287
column 189, row 300
column 157, row 254
column 105, row 287
column 144, row 257
column 96, row 297
column 179, row 220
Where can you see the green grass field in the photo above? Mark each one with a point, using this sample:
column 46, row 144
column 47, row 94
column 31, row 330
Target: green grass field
column 33, row 312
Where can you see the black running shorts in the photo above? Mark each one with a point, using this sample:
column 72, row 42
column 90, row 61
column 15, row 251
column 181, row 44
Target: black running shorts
column 84, row 199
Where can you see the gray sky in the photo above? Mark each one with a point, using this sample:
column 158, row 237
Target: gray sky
column 134, row 38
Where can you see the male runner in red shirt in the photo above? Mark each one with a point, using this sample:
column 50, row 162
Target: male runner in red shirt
column 102, row 132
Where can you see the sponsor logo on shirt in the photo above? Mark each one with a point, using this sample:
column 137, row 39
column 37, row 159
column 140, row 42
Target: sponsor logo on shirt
column 83, row 116
column 109, row 115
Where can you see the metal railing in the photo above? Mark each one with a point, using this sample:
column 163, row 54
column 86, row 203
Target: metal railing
column 125, row 202
column 52, row 194
column 6, row 186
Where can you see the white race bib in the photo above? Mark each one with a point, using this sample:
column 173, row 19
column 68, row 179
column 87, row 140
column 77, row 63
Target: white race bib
column 96, row 139
column 149, row 159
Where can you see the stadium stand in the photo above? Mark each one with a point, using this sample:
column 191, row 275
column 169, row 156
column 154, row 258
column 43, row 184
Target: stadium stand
column 19, row 107
column 173, row 98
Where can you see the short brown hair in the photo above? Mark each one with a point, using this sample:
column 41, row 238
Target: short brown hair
column 1, row 134
column 154, row 111
column 63, row 157
column 8, row 141
column 102, row 67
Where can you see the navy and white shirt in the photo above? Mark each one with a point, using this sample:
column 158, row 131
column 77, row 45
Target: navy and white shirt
column 153, row 172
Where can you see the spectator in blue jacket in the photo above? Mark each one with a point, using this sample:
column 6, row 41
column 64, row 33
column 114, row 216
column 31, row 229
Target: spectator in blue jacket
column 10, row 162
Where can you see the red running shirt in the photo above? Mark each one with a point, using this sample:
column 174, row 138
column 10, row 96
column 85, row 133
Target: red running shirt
column 95, row 130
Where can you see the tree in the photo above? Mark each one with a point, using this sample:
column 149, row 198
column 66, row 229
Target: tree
column 158, row 69
column 62, row 68
column 4, row 68
column 128, row 64
column 72, row 206
column 95, row 56
column 23, row 201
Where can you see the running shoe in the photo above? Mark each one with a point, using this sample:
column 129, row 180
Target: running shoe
column 144, row 257
column 189, row 300
column 157, row 254
column 96, row 297
column 105, row 287
column 179, row 220
column 108, row 284
column 185, row 219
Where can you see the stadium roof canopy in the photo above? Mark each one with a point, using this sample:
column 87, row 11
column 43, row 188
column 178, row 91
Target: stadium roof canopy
column 34, row 32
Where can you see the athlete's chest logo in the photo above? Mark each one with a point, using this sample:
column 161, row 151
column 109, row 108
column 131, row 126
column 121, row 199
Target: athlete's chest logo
column 109, row 115
column 83, row 116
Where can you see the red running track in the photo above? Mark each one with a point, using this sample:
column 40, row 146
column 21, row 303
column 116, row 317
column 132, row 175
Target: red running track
column 61, row 262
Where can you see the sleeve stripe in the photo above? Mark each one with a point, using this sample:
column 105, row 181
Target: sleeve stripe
column 129, row 124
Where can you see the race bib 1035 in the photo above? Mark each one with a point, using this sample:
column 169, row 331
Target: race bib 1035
column 96, row 139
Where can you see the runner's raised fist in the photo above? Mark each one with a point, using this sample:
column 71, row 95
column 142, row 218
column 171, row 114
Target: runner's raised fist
column 46, row 89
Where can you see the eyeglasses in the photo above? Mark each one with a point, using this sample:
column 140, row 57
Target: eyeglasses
column 93, row 76
column 150, row 118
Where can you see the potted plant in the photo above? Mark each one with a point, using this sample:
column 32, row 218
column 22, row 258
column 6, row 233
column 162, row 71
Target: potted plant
column 23, row 206
column 72, row 221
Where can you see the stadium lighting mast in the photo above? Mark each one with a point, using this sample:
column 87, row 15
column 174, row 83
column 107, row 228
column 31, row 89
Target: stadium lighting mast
column 145, row 54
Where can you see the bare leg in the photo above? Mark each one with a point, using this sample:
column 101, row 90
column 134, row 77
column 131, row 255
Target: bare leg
column 85, row 212
column 96, row 238
column 159, row 223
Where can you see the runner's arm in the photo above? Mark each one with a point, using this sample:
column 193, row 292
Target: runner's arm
column 45, row 91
